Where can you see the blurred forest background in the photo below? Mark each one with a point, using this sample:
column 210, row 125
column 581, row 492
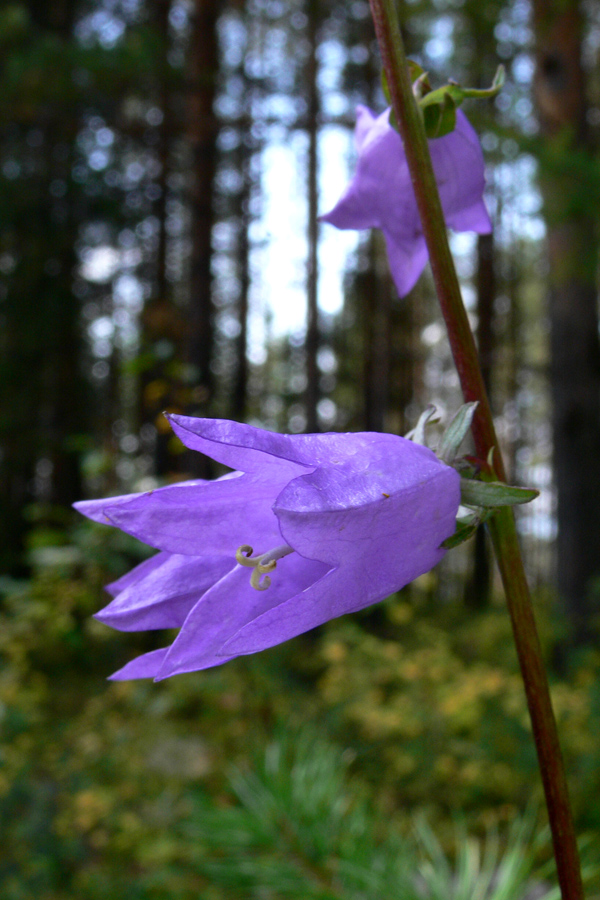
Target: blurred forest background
column 163, row 164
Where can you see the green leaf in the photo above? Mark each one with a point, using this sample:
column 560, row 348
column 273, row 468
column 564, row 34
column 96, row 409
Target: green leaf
column 491, row 494
column 456, row 431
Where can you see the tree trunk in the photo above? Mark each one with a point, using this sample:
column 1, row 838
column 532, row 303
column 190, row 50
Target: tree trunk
column 570, row 197
column 378, row 333
column 239, row 400
column 202, row 129
column 479, row 583
column 202, row 132
column 161, row 319
column 43, row 405
column 312, row 276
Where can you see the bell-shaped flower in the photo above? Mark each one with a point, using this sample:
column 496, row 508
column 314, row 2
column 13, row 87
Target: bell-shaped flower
column 327, row 524
column 381, row 195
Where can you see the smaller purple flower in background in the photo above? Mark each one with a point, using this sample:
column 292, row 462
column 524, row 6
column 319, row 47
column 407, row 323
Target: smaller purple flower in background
column 345, row 519
column 381, row 195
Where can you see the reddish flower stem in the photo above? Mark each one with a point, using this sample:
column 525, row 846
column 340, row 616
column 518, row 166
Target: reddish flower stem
column 502, row 524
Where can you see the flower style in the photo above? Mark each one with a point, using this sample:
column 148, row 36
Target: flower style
column 339, row 521
column 381, row 194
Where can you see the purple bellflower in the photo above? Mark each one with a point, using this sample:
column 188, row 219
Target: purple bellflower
column 381, row 194
column 345, row 519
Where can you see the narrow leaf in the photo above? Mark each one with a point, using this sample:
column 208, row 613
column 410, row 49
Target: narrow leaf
column 456, row 431
column 387, row 94
column 385, row 87
column 418, row 73
column 417, row 434
column 463, row 532
column 421, row 87
column 491, row 494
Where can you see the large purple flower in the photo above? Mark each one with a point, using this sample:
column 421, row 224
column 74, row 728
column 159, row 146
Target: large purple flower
column 346, row 520
column 381, row 194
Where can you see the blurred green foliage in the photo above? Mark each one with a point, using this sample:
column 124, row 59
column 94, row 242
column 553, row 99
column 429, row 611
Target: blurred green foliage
column 438, row 706
column 154, row 790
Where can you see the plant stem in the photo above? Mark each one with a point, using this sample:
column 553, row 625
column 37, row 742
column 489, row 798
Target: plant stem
column 502, row 524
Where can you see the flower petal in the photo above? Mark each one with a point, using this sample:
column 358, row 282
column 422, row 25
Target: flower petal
column 254, row 450
column 475, row 218
column 145, row 666
column 365, row 120
column 136, row 574
column 163, row 596
column 380, row 191
column 328, row 598
column 459, row 167
column 407, row 258
column 94, row 509
column 212, row 518
column 382, row 506
column 381, row 195
column 381, row 547
column 228, row 606
column 236, row 445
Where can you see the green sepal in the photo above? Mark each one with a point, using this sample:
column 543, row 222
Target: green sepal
column 385, row 88
column 388, row 96
column 442, row 94
column 458, row 93
column 421, row 87
column 456, row 431
column 466, row 528
column 491, row 494
column 439, row 118
column 417, row 434
column 439, row 106
column 418, row 73
column 464, row 531
column 486, row 93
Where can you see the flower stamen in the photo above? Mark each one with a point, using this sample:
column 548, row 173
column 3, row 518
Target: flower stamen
column 263, row 563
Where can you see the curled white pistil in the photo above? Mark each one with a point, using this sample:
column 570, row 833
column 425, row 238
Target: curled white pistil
column 263, row 563
column 243, row 555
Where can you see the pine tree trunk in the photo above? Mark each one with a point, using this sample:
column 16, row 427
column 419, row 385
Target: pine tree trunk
column 570, row 206
column 478, row 586
column 202, row 132
column 239, row 400
column 43, row 403
column 312, row 276
column 161, row 320
column 202, row 129
column 378, row 334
